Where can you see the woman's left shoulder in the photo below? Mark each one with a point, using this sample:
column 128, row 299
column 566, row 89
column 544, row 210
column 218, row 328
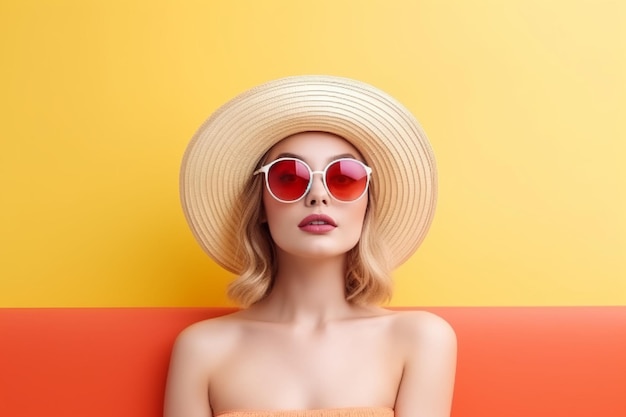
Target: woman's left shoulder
column 422, row 326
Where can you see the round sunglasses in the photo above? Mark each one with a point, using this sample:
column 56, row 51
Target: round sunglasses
column 289, row 179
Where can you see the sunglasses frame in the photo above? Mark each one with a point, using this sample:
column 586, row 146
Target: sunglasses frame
column 265, row 170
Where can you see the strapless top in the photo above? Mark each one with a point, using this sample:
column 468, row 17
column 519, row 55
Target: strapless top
column 331, row 412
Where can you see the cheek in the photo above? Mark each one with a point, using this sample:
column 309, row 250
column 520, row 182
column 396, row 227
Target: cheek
column 362, row 208
column 357, row 215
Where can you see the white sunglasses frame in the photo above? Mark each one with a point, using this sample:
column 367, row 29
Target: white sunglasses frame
column 265, row 169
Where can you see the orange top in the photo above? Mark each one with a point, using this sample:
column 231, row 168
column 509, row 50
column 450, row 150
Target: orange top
column 331, row 412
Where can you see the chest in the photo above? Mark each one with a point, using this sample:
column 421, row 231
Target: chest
column 291, row 369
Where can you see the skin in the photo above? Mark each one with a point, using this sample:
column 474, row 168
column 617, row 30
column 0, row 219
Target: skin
column 304, row 346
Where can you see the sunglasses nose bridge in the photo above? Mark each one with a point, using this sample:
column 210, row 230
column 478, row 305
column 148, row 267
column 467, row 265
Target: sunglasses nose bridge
column 317, row 190
column 322, row 179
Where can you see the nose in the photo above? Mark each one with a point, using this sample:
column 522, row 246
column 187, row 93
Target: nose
column 317, row 193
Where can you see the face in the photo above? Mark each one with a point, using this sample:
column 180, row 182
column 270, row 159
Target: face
column 294, row 232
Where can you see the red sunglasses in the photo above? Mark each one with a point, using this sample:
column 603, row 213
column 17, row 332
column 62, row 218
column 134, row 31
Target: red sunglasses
column 290, row 179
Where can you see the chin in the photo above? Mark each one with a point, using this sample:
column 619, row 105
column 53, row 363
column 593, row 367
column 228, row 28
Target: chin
column 320, row 252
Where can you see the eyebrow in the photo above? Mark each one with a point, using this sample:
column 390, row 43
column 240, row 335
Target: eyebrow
column 332, row 158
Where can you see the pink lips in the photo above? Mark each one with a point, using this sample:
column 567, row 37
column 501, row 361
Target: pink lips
column 317, row 223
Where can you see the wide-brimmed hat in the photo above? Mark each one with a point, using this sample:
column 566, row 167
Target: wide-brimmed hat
column 226, row 149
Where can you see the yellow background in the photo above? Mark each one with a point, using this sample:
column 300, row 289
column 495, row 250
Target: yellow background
column 524, row 102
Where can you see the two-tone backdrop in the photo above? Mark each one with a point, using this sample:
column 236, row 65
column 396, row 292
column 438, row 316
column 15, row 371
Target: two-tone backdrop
column 523, row 100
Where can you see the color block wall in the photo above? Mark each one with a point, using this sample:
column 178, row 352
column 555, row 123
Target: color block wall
column 523, row 100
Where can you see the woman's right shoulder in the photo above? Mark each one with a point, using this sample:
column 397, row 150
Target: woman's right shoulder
column 199, row 353
column 211, row 336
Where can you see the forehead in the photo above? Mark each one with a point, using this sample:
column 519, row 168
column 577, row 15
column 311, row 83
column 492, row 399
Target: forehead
column 314, row 145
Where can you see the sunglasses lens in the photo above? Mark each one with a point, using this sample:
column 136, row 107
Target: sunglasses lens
column 288, row 180
column 346, row 180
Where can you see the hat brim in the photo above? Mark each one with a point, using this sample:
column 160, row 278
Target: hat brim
column 227, row 147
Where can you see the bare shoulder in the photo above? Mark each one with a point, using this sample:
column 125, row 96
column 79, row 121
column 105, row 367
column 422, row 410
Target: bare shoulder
column 428, row 345
column 420, row 328
column 209, row 338
column 196, row 355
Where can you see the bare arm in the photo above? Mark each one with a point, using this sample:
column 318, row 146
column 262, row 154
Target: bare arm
column 428, row 378
column 186, row 393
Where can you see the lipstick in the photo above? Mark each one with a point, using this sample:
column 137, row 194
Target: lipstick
column 317, row 224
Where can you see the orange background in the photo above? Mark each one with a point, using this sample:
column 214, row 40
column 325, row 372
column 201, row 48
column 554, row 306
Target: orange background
column 513, row 362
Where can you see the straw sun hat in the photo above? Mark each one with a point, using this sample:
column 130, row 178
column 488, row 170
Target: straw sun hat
column 227, row 148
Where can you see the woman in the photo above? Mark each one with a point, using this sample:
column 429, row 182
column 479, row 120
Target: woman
column 311, row 189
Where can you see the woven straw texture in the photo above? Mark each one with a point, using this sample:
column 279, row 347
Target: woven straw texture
column 228, row 146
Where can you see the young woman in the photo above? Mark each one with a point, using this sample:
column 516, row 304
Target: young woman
column 311, row 189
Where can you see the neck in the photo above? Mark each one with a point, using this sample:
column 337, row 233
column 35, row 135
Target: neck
column 308, row 290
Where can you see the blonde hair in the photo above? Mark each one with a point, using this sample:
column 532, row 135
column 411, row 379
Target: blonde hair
column 367, row 277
